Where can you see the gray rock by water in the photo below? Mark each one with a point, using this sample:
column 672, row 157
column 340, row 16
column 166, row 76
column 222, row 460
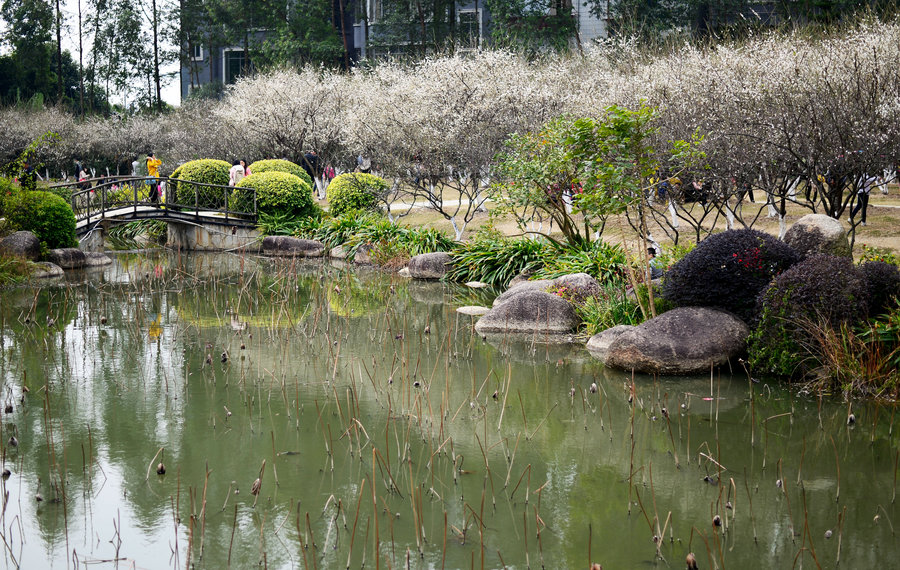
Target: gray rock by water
column 473, row 310
column 429, row 265
column 530, row 312
column 21, row 244
column 521, row 287
column 598, row 345
column 96, row 259
column 286, row 246
column 817, row 233
column 578, row 287
column 47, row 270
column 687, row 340
column 67, row 257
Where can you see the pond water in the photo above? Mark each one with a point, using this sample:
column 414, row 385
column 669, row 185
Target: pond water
column 386, row 434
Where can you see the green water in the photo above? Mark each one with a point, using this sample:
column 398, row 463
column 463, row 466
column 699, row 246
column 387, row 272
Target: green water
column 393, row 436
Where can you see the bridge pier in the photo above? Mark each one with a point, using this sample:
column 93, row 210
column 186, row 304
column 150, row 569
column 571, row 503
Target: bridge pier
column 210, row 237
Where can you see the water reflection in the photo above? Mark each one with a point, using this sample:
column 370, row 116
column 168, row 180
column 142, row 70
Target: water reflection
column 390, row 430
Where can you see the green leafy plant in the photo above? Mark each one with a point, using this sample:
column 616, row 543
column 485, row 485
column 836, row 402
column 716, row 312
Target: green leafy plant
column 280, row 165
column 204, row 171
column 600, row 260
column 871, row 253
column 44, row 214
column 496, row 260
column 125, row 236
column 355, row 191
column 276, row 193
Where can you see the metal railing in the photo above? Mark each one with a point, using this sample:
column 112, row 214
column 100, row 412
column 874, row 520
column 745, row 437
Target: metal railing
column 131, row 197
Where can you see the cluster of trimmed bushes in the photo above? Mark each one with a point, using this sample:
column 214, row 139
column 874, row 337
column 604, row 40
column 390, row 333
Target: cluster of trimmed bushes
column 803, row 311
column 282, row 190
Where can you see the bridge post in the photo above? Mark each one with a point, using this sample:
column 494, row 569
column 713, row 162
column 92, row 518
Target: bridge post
column 210, row 237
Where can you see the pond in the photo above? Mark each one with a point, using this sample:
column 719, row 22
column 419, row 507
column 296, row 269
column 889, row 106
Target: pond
column 385, row 433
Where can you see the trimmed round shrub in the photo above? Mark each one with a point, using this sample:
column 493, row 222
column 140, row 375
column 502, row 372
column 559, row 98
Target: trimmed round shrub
column 205, row 171
column 276, row 193
column 44, row 214
column 355, row 191
column 883, row 281
column 727, row 271
column 822, row 290
column 279, row 165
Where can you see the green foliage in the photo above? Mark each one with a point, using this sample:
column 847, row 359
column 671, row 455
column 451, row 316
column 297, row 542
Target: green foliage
column 355, row 191
column 601, row 166
column 820, row 292
column 391, row 243
column 871, row 253
column 14, row 270
column 600, row 260
column 284, row 224
column 124, row 236
column 612, row 307
column 44, row 214
column 205, row 171
column 495, row 259
column 530, row 25
column 279, row 165
column 16, row 166
column 276, row 192
column 727, row 271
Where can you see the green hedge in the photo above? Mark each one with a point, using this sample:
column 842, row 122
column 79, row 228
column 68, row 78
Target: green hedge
column 355, row 191
column 279, row 165
column 44, row 214
column 276, row 193
column 206, row 171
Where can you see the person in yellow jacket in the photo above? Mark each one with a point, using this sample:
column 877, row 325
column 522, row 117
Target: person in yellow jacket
column 153, row 164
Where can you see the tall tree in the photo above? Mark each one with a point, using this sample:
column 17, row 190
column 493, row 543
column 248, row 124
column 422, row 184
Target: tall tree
column 29, row 28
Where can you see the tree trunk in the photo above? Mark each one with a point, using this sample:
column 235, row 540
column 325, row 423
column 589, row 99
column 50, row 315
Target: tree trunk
column 59, row 79
column 80, row 64
column 156, row 56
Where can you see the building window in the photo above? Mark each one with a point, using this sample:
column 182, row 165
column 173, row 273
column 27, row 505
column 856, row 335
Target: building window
column 469, row 28
column 197, row 53
column 234, row 62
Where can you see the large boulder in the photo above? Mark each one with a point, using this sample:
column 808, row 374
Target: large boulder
column 683, row 341
column 530, row 312
column 599, row 344
column 429, row 265
column 21, row 244
column 817, row 233
column 67, row 257
column 575, row 287
column 286, row 246
column 542, row 285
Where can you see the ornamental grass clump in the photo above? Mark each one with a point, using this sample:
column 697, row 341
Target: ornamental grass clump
column 600, row 260
column 496, row 260
column 821, row 293
column 727, row 271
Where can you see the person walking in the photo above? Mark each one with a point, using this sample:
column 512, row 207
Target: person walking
column 153, row 165
column 862, row 197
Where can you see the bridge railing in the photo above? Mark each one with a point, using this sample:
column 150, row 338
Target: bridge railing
column 98, row 198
